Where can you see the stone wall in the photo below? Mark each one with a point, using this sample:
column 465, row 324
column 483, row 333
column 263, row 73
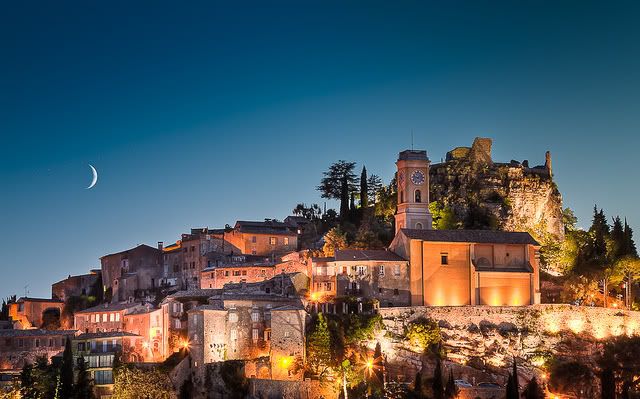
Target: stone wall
column 481, row 341
column 307, row 389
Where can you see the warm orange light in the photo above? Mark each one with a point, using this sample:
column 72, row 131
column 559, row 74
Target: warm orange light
column 184, row 344
column 285, row 362
column 145, row 345
column 315, row 296
column 615, row 305
column 370, row 364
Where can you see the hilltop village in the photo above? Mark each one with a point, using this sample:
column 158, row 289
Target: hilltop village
column 254, row 309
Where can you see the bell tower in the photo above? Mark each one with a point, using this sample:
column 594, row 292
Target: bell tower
column 413, row 190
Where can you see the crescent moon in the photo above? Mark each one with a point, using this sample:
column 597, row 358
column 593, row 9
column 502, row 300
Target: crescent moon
column 95, row 176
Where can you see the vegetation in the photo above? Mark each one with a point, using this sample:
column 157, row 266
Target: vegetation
column 232, row 374
column 423, row 334
column 319, row 347
column 135, row 383
column 571, row 377
column 334, row 239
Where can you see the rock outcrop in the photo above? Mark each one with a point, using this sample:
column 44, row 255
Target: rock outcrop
column 515, row 195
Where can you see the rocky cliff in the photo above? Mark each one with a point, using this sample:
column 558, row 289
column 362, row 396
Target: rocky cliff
column 510, row 196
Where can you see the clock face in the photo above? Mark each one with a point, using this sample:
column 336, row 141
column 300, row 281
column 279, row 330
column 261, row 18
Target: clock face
column 417, row 177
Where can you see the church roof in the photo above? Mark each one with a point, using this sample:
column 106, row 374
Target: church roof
column 475, row 236
column 366, row 254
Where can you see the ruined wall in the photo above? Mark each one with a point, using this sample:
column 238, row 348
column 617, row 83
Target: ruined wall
column 480, row 341
column 518, row 196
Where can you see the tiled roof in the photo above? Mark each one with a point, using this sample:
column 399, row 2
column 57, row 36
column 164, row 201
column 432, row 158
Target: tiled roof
column 267, row 227
column 111, row 307
column 144, row 246
column 366, row 254
column 194, row 293
column 323, row 259
column 34, row 332
column 288, row 307
column 472, row 236
column 28, row 299
column 106, row 334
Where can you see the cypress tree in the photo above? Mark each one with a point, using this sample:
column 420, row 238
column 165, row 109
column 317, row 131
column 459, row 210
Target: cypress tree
column 509, row 388
column 417, row 386
column 450, row 390
column 533, row 390
column 84, row 385
column 515, row 393
column 438, row 388
column 618, row 238
column 66, row 372
column 599, row 231
column 364, row 189
column 608, row 384
column 27, row 382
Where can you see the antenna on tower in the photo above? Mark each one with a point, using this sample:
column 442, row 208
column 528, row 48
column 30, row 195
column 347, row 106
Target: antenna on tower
column 411, row 139
column 26, row 291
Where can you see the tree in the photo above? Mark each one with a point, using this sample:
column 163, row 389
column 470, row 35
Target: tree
column 436, row 384
column 627, row 270
column 533, row 390
column 319, row 347
column 334, row 239
column 629, row 247
column 332, row 184
column 374, row 184
column 423, row 334
column 443, row 217
column 617, row 239
column 134, row 383
column 608, row 383
column 450, row 390
column 417, row 386
column 344, row 199
column 387, row 201
column 84, row 383
column 509, row 388
column 364, row 189
column 27, row 382
column 376, row 382
column 569, row 220
column 571, row 377
column 66, row 372
column 515, row 389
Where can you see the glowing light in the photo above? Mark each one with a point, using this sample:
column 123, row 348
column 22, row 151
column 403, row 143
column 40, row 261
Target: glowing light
column 617, row 330
column 285, row 362
column 615, row 305
column 370, row 364
column 600, row 331
column 145, row 345
column 315, row 296
column 184, row 344
column 553, row 326
column 576, row 325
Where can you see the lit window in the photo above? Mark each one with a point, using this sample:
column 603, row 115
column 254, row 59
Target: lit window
column 444, row 259
column 362, row 270
column 112, row 317
column 117, row 316
column 286, row 241
column 255, row 317
column 287, row 334
column 254, row 335
column 382, row 270
column 273, row 240
column 233, row 317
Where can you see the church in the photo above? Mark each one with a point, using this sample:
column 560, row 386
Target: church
column 434, row 267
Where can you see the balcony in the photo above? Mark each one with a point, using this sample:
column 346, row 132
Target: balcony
column 484, row 265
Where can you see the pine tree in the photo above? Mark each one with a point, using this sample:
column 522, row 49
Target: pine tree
column 515, row 390
column 599, row 231
column 509, row 388
column 66, row 372
column 618, row 238
column 364, row 189
column 629, row 245
column 84, row 384
column 344, row 199
column 450, row 390
column 438, row 388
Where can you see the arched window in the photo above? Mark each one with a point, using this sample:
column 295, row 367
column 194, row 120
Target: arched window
column 418, row 196
column 419, row 226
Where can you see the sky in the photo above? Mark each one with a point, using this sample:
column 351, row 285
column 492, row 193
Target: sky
column 206, row 113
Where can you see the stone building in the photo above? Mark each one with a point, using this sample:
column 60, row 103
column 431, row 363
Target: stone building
column 236, row 268
column 106, row 317
column 263, row 238
column 148, row 324
column 75, row 285
column 19, row 347
column 35, row 312
column 375, row 274
column 133, row 272
column 244, row 327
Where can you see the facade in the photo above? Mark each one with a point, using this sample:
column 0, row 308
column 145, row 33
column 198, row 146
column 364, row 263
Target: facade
column 98, row 351
column 35, row 312
column 236, row 268
column 105, row 317
column 373, row 274
column 148, row 324
column 263, row 238
column 20, row 347
column 470, row 267
column 74, row 285
column 132, row 272
column 243, row 327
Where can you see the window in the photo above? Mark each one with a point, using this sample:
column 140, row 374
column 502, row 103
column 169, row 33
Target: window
column 418, row 226
column 80, row 346
column 20, row 342
column 112, row 317
column 233, row 335
column 287, row 334
column 253, row 252
column 444, row 258
column 273, row 240
column 104, row 317
column 236, row 273
column 233, row 317
column 50, row 341
column 104, row 346
column 103, row 377
column 267, row 335
column 396, row 270
column 193, row 248
column 382, row 270
column 255, row 317
column 253, row 239
column 362, row 270
column 93, row 361
column 286, row 241
column 244, row 272
column 226, row 273
column 117, row 316
column 327, row 286
column 37, row 342
column 401, row 196
column 254, row 335
column 418, row 196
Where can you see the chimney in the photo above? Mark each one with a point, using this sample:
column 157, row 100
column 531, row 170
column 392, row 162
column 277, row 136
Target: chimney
column 160, row 245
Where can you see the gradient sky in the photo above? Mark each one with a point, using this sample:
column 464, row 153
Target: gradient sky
column 204, row 114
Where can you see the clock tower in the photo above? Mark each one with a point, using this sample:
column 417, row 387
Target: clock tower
column 413, row 191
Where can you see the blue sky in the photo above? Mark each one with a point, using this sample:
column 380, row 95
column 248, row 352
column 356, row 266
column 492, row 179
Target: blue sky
column 203, row 114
